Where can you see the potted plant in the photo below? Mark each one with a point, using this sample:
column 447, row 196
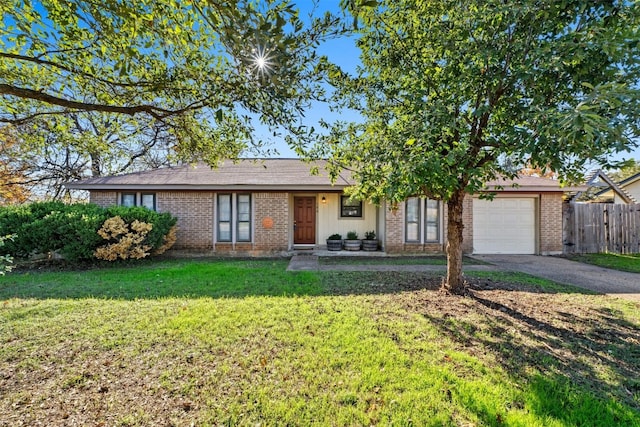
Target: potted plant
column 352, row 243
column 334, row 242
column 370, row 243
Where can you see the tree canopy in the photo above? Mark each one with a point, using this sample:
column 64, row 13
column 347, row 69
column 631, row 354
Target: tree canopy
column 626, row 170
column 201, row 71
column 13, row 185
column 450, row 90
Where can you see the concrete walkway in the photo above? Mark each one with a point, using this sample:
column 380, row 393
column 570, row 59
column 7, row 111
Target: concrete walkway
column 561, row 270
column 306, row 262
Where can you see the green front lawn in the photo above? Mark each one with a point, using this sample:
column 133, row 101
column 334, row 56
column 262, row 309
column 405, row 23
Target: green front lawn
column 629, row 262
column 245, row 342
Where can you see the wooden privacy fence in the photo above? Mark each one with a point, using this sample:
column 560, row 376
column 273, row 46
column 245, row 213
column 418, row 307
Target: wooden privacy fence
column 601, row 227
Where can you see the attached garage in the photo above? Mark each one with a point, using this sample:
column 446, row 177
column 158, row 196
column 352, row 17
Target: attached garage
column 504, row 225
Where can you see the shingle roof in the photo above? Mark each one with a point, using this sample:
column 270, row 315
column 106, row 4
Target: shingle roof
column 275, row 174
column 264, row 174
column 526, row 183
column 629, row 180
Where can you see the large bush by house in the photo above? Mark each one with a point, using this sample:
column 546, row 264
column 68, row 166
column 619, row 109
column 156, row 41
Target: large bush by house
column 40, row 227
column 5, row 260
column 135, row 233
column 72, row 230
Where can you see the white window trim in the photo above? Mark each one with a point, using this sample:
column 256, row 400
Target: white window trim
column 234, row 219
column 422, row 225
column 138, row 198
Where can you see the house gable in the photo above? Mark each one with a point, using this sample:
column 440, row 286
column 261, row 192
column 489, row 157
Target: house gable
column 617, row 192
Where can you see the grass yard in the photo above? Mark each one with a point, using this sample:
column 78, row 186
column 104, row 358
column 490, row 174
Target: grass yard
column 628, row 262
column 234, row 342
column 396, row 260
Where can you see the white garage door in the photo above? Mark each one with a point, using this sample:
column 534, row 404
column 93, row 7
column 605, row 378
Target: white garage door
column 504, row 226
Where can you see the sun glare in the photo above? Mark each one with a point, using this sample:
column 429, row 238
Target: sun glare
column 262, row 63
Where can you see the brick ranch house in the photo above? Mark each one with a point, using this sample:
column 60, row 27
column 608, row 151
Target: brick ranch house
column 277, row 205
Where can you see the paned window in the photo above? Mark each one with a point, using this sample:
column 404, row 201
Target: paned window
column 350, row 208
column 432, row 221
column 148, row 200
column 224, row 217
column 244, row 217
column 412, row 218
column 234, row 218
column 128, row 199
column 422, row 220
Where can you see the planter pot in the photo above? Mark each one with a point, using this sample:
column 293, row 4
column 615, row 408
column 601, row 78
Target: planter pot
column 352, row 245
column 370, row 245
column 334, row 245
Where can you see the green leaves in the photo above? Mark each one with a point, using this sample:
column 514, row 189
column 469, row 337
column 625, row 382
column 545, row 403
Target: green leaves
column 449, row 89
column 159, row 60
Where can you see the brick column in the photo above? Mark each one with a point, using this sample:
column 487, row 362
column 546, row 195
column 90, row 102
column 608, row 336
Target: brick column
column 271, row 222
column 394, row 228
column 467, row 221
column 550, row 223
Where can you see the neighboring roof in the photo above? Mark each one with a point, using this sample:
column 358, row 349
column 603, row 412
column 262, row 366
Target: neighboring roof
column 629, row 180
column 263, row 174
column 610, row 185
column 526, row 183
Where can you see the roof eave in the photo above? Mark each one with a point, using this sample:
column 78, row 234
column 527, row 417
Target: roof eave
column 534, row 189
column 204, row 187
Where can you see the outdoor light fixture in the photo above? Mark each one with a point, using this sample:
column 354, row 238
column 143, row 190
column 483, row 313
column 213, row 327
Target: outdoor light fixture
column 324, row 200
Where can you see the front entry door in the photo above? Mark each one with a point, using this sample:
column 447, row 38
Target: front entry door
column 304, row 220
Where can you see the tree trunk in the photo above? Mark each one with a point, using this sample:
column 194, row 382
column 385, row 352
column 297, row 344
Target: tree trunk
column 454, row 282
column 96, row 164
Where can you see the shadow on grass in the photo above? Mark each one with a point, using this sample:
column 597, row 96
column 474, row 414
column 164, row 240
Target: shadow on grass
column 394, row 260
column 577, row 364
column 241, row 279
column 238, row 278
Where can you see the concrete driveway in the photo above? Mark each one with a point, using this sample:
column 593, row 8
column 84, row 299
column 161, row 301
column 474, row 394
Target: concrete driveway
column 598, row 279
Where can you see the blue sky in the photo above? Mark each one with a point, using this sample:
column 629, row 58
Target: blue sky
column 341, row 51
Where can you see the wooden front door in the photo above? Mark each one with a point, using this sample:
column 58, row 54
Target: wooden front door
column 304, row 220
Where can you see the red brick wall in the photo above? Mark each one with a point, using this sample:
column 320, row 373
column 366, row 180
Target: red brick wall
column 271, row 221
column 195, row 213
column 394, row 228
column 194, row 210
column 103, row 198
column 467, row 222
column 550, row 223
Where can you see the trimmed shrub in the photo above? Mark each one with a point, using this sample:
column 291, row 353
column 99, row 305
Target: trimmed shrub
column 52, row 227
column 125, row 240
column 161, row 222
column 168, row 240
column 13, row 220
column 72, row 230
column 5, row 260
